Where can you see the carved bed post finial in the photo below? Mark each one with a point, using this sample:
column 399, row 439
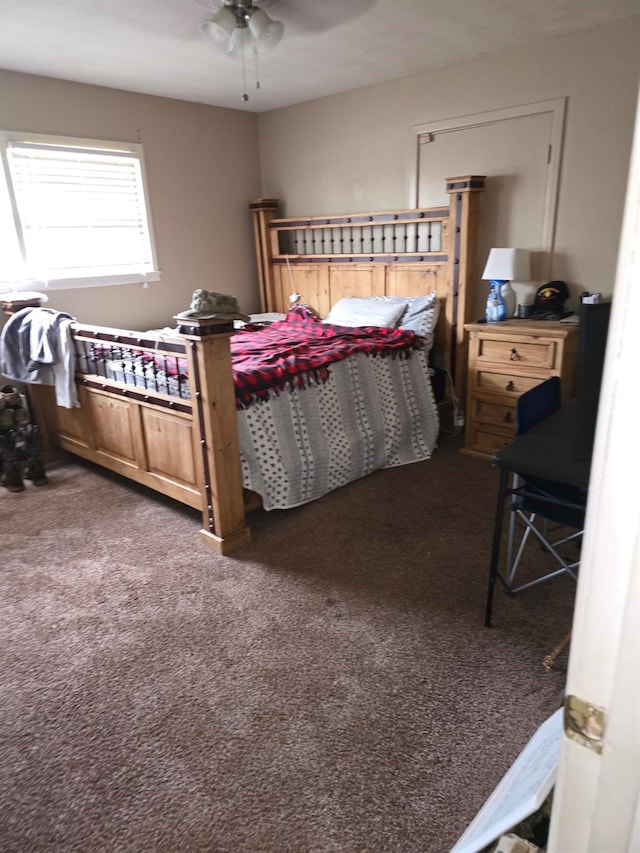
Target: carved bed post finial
column 215, row 429
column 464, row 205
column 263, row 210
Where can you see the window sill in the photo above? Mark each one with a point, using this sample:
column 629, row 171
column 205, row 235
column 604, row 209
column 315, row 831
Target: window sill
column 78, row 283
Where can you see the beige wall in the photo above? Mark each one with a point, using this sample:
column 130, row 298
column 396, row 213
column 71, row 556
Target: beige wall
column 202, row 168
column 357, row 151
column 349, row 152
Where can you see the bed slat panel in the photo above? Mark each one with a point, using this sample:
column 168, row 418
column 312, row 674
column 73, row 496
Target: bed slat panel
column 72, row 424
column 169, row 446
column 115, row 429
column 355, row 280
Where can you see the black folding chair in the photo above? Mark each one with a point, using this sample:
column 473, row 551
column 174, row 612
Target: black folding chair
column 539, row 508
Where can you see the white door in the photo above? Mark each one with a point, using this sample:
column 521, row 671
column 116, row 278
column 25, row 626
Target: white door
column 597, row 798
column 518, row 150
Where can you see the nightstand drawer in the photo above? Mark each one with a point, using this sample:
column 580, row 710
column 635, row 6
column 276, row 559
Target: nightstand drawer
column 497, row 414
column 523, row 352
column 504, row 383
column 486, row 441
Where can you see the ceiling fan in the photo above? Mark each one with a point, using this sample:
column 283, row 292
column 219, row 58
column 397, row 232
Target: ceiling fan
column 241, row 23
column 297, row 16
column 243, row 28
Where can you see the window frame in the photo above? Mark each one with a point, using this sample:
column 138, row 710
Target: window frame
column 109, row 147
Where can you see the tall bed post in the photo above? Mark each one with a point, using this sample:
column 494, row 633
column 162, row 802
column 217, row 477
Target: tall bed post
column 215, row 419
column 263, row 210
column 464, row 208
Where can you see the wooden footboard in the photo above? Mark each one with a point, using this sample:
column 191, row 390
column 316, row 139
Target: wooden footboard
column 181, row 441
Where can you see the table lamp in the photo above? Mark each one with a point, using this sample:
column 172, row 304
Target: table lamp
column 503, row 267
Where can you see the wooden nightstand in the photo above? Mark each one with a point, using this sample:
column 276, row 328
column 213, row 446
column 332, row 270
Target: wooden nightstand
column 505, row 360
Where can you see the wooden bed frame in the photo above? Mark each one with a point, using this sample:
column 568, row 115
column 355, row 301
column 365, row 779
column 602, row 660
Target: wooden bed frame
column 188, row 448
column 391, row 253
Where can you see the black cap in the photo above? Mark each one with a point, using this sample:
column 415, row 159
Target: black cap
column 550, row 299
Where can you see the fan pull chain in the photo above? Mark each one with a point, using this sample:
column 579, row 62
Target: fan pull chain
column 245, row 96
column 255, row 57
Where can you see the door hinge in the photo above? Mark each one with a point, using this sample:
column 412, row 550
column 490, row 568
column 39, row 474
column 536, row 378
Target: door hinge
column 585, row 723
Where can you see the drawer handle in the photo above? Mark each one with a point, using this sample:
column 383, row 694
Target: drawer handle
column 515, row 355
column 510, row 386
column 508, row 419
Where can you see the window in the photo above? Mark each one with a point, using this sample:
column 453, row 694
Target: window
column 73, row 213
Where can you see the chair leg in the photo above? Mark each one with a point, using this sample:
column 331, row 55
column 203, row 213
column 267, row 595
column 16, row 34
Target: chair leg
column 512, row 526
column 564, row 566
column 495, row 548
column 513, row 563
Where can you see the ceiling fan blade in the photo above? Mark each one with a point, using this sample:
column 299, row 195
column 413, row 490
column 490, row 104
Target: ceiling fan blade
column 303, row 17
column 311, row 16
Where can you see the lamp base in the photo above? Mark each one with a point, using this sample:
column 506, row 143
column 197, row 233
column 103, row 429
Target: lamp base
column 509, row 296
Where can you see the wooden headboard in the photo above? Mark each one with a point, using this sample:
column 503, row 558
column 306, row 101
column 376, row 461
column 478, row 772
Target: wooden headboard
column 391, row 253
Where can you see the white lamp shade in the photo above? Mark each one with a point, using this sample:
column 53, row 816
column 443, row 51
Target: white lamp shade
column 220, row 28
column 508, row 265
column 266, row 32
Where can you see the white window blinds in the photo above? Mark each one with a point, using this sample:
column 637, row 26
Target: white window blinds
column 80, row 213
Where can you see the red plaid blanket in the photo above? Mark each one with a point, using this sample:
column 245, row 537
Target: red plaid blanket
column 294, row 351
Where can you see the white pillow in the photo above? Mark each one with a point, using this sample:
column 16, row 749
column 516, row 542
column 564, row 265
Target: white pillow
column 360, row 311
column 420, row 312
column 166, row 332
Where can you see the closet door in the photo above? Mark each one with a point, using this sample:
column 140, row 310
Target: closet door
column 518, row 150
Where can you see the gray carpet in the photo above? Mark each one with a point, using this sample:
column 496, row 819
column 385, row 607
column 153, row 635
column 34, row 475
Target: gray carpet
column 329, row 687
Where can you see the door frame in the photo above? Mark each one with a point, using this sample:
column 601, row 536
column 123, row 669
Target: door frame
column 597, row 799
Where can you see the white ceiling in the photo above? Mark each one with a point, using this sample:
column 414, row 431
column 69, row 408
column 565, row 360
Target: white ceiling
column 329, row 46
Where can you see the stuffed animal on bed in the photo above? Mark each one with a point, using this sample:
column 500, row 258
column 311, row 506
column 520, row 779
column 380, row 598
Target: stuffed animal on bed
column 205, row 304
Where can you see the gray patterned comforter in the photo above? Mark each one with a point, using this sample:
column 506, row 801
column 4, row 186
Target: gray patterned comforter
column 372, row 413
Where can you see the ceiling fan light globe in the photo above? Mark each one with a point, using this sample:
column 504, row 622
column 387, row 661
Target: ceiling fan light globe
column 258, row 22
column 271, row 37
column 213, row 33
column 220, row 28
column 240, row 37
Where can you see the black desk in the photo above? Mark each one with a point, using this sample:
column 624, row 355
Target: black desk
column 547, row 452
